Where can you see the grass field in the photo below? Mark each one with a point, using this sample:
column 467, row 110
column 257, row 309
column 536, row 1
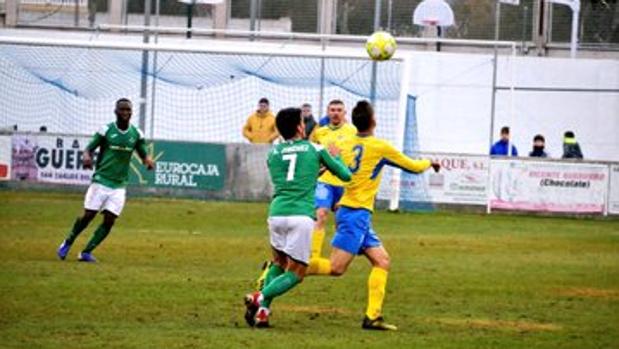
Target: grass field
column 172, row 275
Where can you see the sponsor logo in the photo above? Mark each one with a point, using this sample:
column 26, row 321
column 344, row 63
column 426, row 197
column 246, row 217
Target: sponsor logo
column 183, row 174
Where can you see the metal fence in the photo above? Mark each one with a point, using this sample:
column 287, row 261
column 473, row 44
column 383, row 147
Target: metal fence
column 598, row 23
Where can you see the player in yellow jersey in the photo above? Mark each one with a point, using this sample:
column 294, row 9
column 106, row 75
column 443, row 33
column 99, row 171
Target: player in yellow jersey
column 329, row 189
column 365, row 155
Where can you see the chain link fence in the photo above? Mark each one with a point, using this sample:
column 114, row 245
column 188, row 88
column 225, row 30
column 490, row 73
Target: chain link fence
column 598, row 23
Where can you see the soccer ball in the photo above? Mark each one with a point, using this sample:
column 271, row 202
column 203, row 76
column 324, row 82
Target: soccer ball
column 381, row 46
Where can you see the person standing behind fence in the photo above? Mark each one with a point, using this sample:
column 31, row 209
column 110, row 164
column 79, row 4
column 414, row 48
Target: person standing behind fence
column 308, row 119
column 571, row 148
column 501, row 148
column 260, row 125
column 539, row 144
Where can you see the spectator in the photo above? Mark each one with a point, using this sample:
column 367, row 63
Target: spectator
column 260, row 125
column 502, row 146
column 308, row 118
column 538, row 147
column 571, row 148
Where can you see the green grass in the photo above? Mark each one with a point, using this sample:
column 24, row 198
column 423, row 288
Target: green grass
column 172, row 275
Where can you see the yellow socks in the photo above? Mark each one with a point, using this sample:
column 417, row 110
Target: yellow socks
column 376, row 292
column 319, row 266
column 317, row 239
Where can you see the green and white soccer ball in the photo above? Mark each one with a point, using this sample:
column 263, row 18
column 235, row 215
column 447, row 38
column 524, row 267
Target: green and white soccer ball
column 381, row 46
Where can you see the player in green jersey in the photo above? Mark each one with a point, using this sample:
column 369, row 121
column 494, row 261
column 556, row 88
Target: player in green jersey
column 116, row 142
column 294, row 166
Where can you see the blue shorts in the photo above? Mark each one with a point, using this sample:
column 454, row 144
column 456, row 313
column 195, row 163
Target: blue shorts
column 327, row 195
column 354, row 231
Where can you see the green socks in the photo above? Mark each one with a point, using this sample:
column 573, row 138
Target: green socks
column 96, row 239
column 280, row 285
column 78, row 227
column 273, row 272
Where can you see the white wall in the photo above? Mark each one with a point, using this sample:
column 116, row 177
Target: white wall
column 454, row 93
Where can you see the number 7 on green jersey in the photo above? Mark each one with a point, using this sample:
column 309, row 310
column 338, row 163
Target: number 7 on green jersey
column 291, row 167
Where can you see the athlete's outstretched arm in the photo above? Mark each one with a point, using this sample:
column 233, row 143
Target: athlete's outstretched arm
column 396, row 158
column 336, row 166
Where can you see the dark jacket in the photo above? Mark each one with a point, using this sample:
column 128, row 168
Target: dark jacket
column 310, row 124
column 571, row 149
column 538, row 153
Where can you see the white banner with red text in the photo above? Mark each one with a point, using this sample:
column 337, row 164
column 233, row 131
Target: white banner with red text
column 548, row 186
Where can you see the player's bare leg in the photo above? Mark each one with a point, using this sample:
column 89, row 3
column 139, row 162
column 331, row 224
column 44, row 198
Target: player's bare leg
column 79, row 225
column 339, row 261
column 377, row 282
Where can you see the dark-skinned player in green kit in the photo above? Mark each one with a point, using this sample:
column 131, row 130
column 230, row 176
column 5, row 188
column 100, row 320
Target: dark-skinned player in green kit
column 106, row 194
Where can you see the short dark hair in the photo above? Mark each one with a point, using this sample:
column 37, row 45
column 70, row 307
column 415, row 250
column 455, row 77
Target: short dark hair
column 363, row 116
column 263, row 100
column 123, row 100
column 287, row 121
column 306, row 105
column 539, row 138
column 504, row 130
column 569, row 134
column 336, row 101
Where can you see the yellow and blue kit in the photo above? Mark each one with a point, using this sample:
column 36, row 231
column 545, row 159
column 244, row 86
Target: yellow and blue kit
column 329, row 188
column 366, row 156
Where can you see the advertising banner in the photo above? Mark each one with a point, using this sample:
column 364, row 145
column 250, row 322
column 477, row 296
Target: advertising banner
column 5, row 158
column 613, row 196
column 182, row 165
column 548, row 186
column 49, row 158
column 58, row 159
column 462, row 180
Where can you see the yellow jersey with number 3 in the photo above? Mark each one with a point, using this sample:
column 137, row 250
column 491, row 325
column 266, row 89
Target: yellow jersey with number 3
column 328, row 135
column 366, row 156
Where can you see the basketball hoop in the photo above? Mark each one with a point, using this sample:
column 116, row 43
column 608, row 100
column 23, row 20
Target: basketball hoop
column 202, row 2
column 430, row 22
column 433, row 13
